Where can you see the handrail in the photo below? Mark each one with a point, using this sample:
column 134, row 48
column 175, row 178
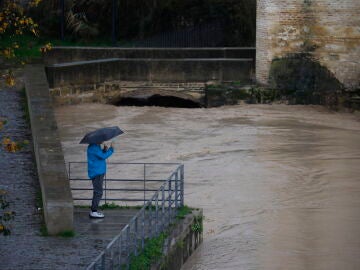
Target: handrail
column 133, row 163
column 130, row 190
column 153, row 218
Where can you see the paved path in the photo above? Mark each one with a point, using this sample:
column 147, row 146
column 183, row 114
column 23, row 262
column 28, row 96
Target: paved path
column 25, row 248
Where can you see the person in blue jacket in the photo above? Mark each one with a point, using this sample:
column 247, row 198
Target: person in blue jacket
column 96, row 158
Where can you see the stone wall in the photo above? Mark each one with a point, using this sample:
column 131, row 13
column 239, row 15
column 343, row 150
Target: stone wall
column 55, row 185
column 326, row 30
column 103, row 74
column 151, row 70
column 60, row 54
column 114, row 91
column 185, row 237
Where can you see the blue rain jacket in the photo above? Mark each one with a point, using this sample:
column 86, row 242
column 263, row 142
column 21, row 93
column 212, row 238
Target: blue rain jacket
column 96, row 160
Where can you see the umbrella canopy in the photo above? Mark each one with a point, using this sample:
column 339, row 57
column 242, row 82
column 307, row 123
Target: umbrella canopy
column 101, row 135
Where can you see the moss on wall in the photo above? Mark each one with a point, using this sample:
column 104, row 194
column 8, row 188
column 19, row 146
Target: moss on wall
column 302, row 78
column 219, row 95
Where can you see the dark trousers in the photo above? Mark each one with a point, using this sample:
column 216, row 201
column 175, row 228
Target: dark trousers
column 97, row 182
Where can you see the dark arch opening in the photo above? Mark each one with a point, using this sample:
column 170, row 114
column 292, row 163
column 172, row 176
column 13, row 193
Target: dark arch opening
column 158, row 100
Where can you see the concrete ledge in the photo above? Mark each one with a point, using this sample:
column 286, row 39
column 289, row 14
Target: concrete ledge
column 55, row 185
column 61, row 54
column 153, row 70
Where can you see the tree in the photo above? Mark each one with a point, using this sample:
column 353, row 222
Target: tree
column 14, row 23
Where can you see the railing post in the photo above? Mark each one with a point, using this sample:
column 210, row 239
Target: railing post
column 105, row 187
column 143, row 230
column 150, row 219
column 156, row 214
column 169, row 200
column 176, row 188
column 135, row 238
column 182, row 185
column 111, row 258
column 120, row 250
column 162, row 207
column 144, row 183
column 103, row 267
column 128, row 246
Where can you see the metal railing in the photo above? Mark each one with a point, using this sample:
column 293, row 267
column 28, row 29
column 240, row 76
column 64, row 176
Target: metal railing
column 138, row 181
column 158, row 211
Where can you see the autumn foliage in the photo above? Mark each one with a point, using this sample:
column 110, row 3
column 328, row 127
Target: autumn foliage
column 14, row 23
column 2, row 123
column 5, row 216
column 10, row 146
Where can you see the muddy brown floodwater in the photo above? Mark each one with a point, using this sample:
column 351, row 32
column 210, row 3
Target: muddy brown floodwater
column 279, row 185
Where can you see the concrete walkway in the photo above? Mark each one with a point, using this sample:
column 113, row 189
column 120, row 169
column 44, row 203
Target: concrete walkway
column 105, row 229
column 25, row 248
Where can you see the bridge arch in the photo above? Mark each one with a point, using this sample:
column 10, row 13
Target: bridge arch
column 159, row 97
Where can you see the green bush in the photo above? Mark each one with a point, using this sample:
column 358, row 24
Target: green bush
column 152, row 252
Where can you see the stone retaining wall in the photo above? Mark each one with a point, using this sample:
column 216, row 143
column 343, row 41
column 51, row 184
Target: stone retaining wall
column 185, row 238
column 72, row 54
column 112, row 92
column 151, row 70
column 55, row 185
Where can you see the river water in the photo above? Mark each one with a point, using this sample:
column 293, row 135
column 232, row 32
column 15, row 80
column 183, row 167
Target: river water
column 279, row 185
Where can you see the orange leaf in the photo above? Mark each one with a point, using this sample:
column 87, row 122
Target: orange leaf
column 10, row 80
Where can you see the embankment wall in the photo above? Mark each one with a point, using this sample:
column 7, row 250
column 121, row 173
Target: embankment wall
column 151, row 70
column 61, row 54
column 185, row 238
column 55, row 185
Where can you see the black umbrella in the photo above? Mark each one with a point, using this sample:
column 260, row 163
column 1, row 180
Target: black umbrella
column 100, row 135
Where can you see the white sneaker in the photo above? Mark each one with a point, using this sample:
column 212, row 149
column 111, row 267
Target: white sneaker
column 96, row 215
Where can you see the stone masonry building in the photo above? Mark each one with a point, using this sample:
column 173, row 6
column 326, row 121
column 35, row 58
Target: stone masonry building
column 328, row 31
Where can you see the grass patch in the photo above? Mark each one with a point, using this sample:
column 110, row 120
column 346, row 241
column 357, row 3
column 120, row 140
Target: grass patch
column 66, row 234
column 264, row 95
column 183, row 211
column 197, row 226
column 110, row 206
column 43, row 230
column 29, row 46
column 152, row 252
